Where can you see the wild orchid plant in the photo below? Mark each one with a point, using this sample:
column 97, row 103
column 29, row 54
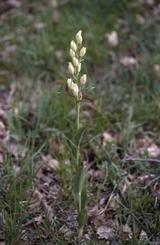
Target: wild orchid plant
column 76, row 84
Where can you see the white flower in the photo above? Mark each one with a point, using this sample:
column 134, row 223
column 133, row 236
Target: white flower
column 83, row 79
column 75, row 90
column 72, row 53
column 82, row 52
column 75, row 62
column 73, row 46
column 69, row 83
column 77, row 51
column 79, row 38
column 73, row 87
column 70, row 68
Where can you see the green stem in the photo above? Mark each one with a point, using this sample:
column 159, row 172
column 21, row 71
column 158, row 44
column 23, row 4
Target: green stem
column 77, row 128
column 78, row 114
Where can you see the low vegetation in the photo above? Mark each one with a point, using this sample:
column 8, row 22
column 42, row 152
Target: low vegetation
column 116, row 142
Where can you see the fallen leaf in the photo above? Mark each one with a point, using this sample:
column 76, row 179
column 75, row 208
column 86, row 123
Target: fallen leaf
column 140, row 19
column 124, row 184
column 67, row 232
column 96, row 216
column 106, row 137
column 145, row 178
column 145, row 142
column 126, row 228
column 34, row 205
column 150, row 2
column 2, row 126
column 51, row 162
column 112, row 38
column 55, row 147
column 128, row 61
column 37, row 194
column 39, row 25
column 14, row 3
column 96, row 174
column 38, row 219
column 156, row 11
column 114, row 202
column 16, row 169
column 48, row 209
column 17, row 150
column 126, row 231
column 59, row 55
column 143, row 236
column 106, row 233
column 54, row 3
column 56, row 15
column 39, row 173
column 153, row 150
column 156, row 68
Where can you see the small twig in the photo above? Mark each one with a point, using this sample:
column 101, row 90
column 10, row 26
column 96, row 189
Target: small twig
column 140, row 159
column 108, row 202
column 107, row 205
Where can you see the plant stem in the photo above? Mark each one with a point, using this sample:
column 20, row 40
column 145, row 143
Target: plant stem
column 77, row 129
column 78, row 114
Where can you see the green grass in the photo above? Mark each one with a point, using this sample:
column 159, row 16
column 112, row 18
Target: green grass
column 125, row 104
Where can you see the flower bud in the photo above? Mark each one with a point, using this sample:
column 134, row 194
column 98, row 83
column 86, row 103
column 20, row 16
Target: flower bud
column 75, row 62
column 70, row 68
column 83, row 79
column 72, row 53
column 75, row 89
column 69, row 83
column 73, row 46
column 82, row 52
column 79, row 38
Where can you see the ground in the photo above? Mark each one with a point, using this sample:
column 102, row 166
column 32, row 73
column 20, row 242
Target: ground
column 120, row 119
